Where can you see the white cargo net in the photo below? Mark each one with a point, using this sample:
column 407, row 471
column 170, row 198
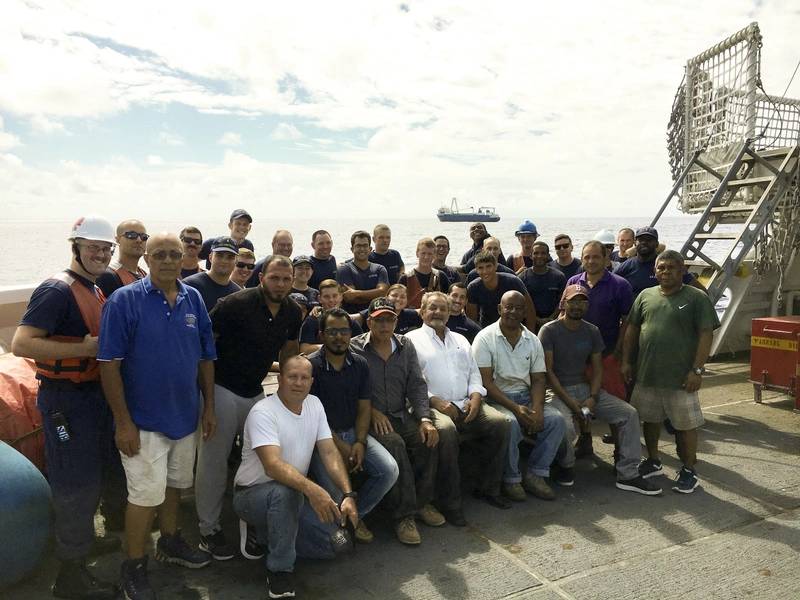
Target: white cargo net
column 717, row 107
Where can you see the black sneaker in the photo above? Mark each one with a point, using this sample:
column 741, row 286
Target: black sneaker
column 650, row 467
column 280, row 584
column 174, row 549
column 640, row 485
column 135, row 585
column 583, row 447
column 217, row 546
column 686, row 481
column 564, row 476
column 248, row 542
column 74, row 580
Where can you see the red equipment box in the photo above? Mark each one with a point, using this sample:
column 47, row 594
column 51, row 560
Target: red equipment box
column 774, row 356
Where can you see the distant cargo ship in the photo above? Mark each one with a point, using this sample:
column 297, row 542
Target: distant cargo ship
column 453, row 214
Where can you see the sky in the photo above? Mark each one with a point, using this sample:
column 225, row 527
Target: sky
column 370, row 109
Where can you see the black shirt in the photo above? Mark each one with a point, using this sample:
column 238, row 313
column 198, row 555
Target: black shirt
column 571, row 269
column 309, row 332
column 209, row 289
column 464, row 325
column 340, row 391
column 487, row 300
column 450, row 274
column 323, row 269
column 249, row 338
column 545, row 289
column 392, row 261
column 501, row 268
column 189, row 272
column 470, row 264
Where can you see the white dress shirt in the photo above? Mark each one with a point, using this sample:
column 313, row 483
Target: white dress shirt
column 447, row 365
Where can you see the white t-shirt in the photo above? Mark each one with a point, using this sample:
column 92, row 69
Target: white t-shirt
column 512, row 366
column 270, row 423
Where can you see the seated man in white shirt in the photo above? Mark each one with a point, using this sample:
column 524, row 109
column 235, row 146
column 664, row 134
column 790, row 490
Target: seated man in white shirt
column 456, row 397
column 272, row 486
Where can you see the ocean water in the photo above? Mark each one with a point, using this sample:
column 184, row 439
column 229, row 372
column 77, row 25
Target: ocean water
column 37, row 249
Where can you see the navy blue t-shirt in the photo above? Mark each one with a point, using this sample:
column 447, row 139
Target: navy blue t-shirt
column 570, row 270
column 470, row 264
column 210, row 290
column 311, row 294
column 309, row 332
column 488, row 300
column 205, row 249
column 464, row 325
column 340, row 391
column 52, row 307
column 641, row 274
column 545, row 289
column 360, row 279
column 391, row 261
column 323, row 269
column 189, row 272
column 501, row 268
column 450, row 274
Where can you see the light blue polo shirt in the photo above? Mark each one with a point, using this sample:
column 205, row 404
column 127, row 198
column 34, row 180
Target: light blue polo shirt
column 160, row 348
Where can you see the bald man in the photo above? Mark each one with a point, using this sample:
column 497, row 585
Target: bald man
column 124, row 269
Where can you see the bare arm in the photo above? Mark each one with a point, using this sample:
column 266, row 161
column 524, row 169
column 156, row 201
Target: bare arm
column 472, row 313
column 307, row 348
column 693, row 381
column 629, row 346
column 530, row 313
column 351, row 295
column 32, row 342
column 126, row 435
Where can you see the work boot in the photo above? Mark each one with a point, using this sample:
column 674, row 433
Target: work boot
column 362, row 533
column 514, row 491
column 406, row 531
column 537, row 486
column 135, row 585
column 583, row 447
column 430, row 516
column 76, row 582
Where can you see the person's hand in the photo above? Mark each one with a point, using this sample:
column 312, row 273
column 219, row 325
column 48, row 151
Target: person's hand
column 428, row 433
column 356, row 459
column 627, row 372
column 208, row 423
column 526, row 419
column 89, row 345
column 590, row 403
column 381, row 423
column 451, row 410
column 127, row 438
column 537, row 417
column 348, row 510
column 323, row 505
column 692, row 382
column 316, row 312
column 472, row 408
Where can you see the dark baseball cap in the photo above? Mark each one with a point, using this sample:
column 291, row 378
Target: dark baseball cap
column 382, row 305
column 651, row 231
column 302, row 259
column 224, row 244
column 301, row 299
column 241, row 213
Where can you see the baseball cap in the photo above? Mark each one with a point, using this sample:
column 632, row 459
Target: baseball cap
column 224, row 244
column 299, row 260
column 651, row 231
column 381, row 305
column 241, row 213
column 299, row 298
column 576, row 289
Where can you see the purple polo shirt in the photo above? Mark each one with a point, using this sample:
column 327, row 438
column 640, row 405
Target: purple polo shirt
column 609, row 301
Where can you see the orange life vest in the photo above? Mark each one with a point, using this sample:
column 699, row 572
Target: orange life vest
column 90, row 303
column 415, row 291
column 126, row 277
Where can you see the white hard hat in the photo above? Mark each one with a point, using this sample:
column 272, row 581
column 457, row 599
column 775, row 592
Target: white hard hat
column 93, row 228
column 605, row 236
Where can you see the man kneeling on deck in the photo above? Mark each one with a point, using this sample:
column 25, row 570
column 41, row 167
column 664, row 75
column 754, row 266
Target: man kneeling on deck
column 271, row 485
column 569, row 343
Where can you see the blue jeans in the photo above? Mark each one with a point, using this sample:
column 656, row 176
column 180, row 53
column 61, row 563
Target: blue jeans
column 548, row 441
column 381, row 469
column 285, row 524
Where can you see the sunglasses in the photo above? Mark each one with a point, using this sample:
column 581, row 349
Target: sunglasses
column 162, row 255
column 132, row 235
column 561, row 246
column 192, row 241
column 244, row 265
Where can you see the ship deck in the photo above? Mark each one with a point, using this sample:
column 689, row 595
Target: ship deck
column 737, row 536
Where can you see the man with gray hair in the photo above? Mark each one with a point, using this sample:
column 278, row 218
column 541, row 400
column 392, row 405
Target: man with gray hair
column 670, row 329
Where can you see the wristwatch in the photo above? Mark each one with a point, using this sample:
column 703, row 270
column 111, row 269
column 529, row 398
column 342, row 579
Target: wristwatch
column 699, row 370
column 426, row 420
column 363, row 442
column 352, row 495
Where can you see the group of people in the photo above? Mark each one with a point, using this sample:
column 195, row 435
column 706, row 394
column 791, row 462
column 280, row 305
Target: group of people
column 148, row 377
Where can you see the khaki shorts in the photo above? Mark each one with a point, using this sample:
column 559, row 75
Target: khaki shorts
column 656, row 404
column 160, row 463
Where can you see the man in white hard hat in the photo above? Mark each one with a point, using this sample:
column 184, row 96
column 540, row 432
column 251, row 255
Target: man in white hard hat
column 59, row 331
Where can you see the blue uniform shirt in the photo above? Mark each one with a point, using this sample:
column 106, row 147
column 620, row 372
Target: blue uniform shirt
column 641, row 274
column 358, row 279
column 391, row 261
column 160, row 347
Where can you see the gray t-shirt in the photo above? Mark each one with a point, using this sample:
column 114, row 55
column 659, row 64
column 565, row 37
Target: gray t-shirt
column 571, row 349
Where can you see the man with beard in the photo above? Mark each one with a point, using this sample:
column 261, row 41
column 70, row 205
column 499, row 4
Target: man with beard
column 252, row 328
column 216, row 282
column 131, row 239
column 458, row 321
column 544, row 284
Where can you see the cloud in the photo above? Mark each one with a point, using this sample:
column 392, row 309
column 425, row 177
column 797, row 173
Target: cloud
column 170, row 139
column 229, row 138
column 46, row 126
column 286, row 131
column 7, row 140
column 154, row 160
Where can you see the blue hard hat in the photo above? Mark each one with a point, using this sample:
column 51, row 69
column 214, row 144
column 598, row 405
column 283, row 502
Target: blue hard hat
column 526, row 226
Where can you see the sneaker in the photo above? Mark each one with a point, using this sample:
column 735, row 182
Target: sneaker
column 176, row 550
column 430, row 516
column 564, row 476
column 135, row 585
column 686, row 481
column 406, row 531
column 650, row 467
column 641, row 485
column 248, row 541
column 583, row 447
column 533, row 484
column 280, row 584
column 362, row 533
column 514, row 491
column 74, row 580
column 217, row 546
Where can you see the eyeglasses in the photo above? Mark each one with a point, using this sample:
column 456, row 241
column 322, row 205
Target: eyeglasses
column 162, row 255
column 192, row 241
column 561, row 246
column 338, row 332
column 132, row 235
column 244, row 265
column 95, row 249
